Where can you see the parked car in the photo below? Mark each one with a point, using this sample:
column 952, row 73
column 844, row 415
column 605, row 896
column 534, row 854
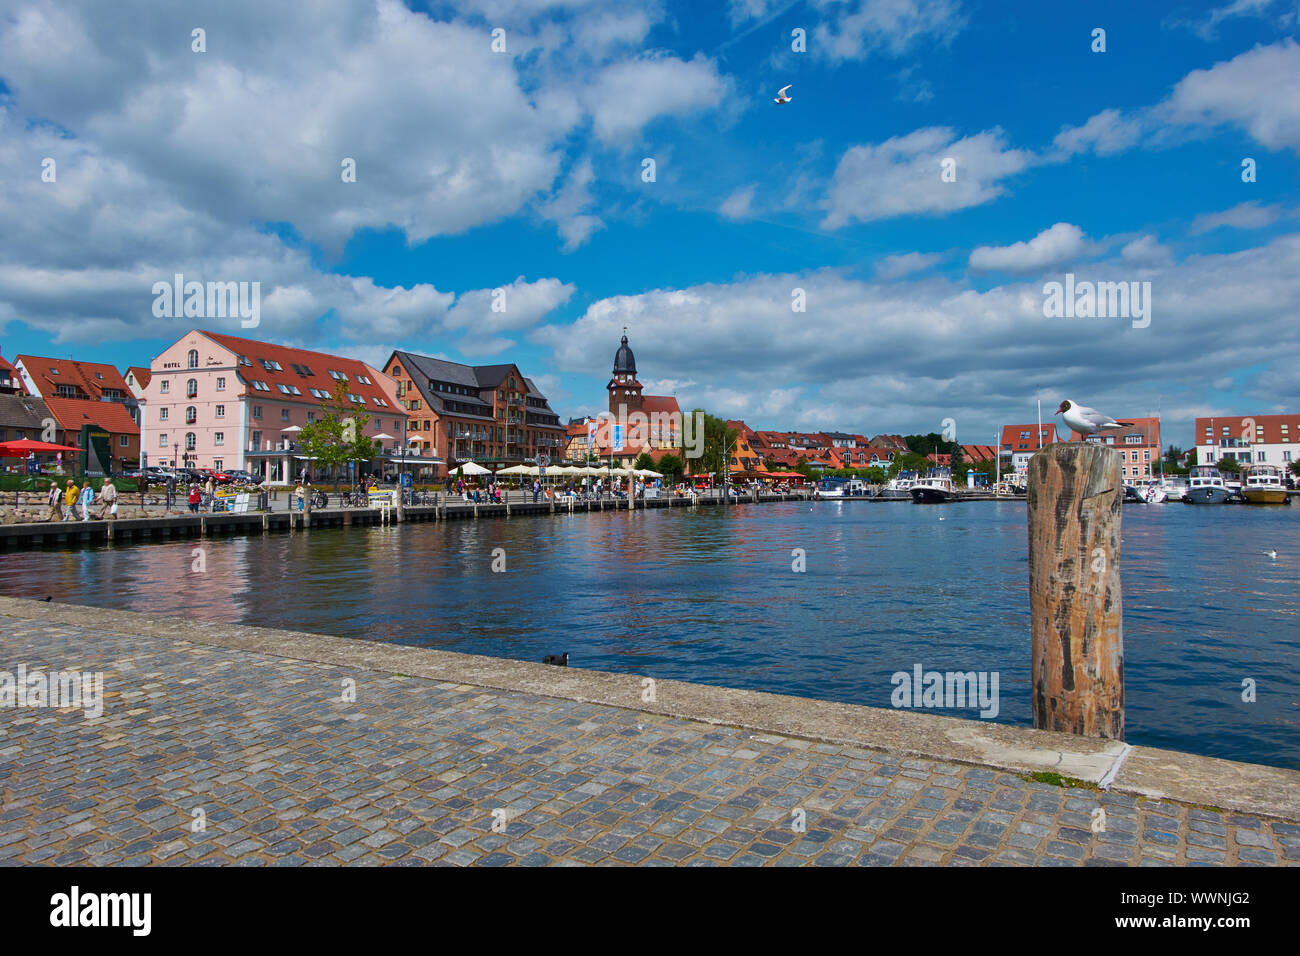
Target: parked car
column 241, row 477
column 222, row 478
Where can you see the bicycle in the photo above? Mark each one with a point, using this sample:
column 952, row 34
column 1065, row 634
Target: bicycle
column 320, row 500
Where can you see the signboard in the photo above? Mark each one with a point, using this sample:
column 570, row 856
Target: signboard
column 406, row 480
column 542, row 460
column 94, row 442
column 617, row 436
column 381, row 499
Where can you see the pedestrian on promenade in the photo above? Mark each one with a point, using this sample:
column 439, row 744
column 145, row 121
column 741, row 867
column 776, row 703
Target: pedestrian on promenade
column 108, row 500
column 171, row 492
column 70, row 501
column 210, row 492
column 55, row 499
column 196, row 496
column 300, row 494
column 536, row 488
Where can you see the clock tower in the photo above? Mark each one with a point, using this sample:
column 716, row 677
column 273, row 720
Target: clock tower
column 624, row 390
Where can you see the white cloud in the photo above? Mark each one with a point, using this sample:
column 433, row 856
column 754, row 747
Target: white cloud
column 1107, row 133
column 737, row 205
column 1246, row 215
column 624, row 97
column 901, row 176
column 852, row 30
column 1058, row 245
column 895, row 267
column 1146, row 251
column 568, row 208
column 1259, row 91
column 519, row 305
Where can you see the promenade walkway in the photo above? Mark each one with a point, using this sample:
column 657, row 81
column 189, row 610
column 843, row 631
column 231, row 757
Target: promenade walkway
column 226, row 745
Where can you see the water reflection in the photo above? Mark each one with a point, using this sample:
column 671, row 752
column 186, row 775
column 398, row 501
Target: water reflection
column 710, row 596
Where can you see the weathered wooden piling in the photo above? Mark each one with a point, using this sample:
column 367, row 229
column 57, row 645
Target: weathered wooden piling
column 1075, row 498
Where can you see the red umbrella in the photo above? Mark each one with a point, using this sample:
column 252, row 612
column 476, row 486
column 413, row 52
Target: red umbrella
column 25, row 446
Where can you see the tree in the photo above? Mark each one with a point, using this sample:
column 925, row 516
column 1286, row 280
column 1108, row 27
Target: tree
column 926, row 444
column 337, row 436
column 1295, row 468
column 1229, row 466
column 644, row 462
column 716, row 446
column 803, row 467
column 876, row 475
column 670, row 466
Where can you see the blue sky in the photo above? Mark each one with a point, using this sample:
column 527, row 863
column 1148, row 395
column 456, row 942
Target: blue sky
column 522, row 170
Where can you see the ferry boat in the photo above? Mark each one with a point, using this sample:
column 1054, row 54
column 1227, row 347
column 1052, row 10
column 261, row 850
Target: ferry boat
column 1263, row 486
column 934, row 488
column 1205, row 486
column 900, row 487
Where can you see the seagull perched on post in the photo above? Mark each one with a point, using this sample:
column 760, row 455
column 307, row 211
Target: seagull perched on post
column 781, row 97
column 1088, row 421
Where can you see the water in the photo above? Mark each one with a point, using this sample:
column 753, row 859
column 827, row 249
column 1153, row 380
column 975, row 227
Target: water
column 709, row 596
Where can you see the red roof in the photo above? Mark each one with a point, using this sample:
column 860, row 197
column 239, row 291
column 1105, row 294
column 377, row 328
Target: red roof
column 651, row 404
column 90, row 378
column 1148, row 428
column 1268, row 428
column 72, row 413
column 978, row 453
column 142, row 375
column 318, row 364
column 1021, row 437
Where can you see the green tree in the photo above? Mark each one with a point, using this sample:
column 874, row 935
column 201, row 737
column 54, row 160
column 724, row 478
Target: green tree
column 926, row 444
column 1229, row 466
column 802, row 466
column 1295, row 468
column 670, row 466
column 716, row 446
column 876, row 475
column 338, row 434
column 645, row 463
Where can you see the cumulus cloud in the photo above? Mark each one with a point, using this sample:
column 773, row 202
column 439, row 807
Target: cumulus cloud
column 1058, row 245
column 852, row 30
column 569, row 208
column 901, row 176
column 1146, row 251
column 628, row 95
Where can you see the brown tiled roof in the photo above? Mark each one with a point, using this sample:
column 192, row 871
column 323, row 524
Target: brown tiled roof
column 90, row 377
column 72, row 413
column 142, row 375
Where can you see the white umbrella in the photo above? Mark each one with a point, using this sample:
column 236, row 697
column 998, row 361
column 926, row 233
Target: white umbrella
column 518, row 470
column 384, row 435
column 647, row 473
column 470, row 468
column 412, row 439
column 291, row 428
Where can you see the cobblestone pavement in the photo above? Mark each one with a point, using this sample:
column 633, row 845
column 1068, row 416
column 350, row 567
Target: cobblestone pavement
column 416, row 772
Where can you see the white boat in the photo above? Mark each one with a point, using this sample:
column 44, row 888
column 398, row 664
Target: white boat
column 899, row 487
column 1205, row 485
column 935, row 488
column 829, row 488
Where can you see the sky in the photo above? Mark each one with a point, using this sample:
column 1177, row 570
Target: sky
column 518, row 180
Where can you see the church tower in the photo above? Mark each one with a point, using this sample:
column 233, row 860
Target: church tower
column 624, row 390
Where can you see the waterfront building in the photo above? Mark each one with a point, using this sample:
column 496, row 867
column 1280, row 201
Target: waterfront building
column 744, row 457
column 91, row 403
column 10, row 382
column 1138, row 446
column 1253, row 439
column 489, row 414
column 26, row 417
column 1019, row 442
column 895, row 442
column 219, row 401
column 662, row 413
column 137, row 380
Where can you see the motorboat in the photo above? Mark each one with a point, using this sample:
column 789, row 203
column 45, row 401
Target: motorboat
column 1205, row 485
column 935, row 488
column 1133, row 496
column 899, row 487
column 829, row 488
column 1263, row 486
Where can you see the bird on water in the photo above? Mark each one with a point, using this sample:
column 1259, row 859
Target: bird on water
column 559, row 660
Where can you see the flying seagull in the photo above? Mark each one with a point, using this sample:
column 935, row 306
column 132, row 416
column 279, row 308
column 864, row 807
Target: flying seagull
column 781, row 98
column 1088, row 421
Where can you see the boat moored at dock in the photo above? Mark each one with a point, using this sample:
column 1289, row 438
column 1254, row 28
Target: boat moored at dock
column 1262, row 485
column 935, row 488
column 1205, row 485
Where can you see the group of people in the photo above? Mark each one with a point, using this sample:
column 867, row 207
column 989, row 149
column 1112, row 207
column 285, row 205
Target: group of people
column 73, row 498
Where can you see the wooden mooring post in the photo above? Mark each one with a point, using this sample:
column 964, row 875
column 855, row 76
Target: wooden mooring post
column 1075, row 498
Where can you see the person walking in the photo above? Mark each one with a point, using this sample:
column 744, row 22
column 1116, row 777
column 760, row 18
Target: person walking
column 300, row 495
column 108, row 500
column 70, row 501
column 55, row 499
column 536, row 489
column 196, row 496
column 85, row 500
column 171, row 492
column 210, row 493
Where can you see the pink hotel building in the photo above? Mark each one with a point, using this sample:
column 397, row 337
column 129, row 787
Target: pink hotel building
column 218, row 401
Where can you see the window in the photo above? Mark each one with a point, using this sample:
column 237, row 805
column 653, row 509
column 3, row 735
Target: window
column 415, row 404
column 271, row 365
column 243, row 360
column 284, row 414
column 257, row 440
column 356, row 398
column 123, row 441
column 397, row 370
column 284, row 388
column 216, row 463
column 338, row 376
column 191, row 415
column 364, row 381
column 221, row 411
column 257, row 411
column 192, row 361
column 166, row 386
column 219, row 438
column 221, row 385
column 162, row 441
column 190, row 441
column 381, row 403
column 311, row 417
column 1146, row 456
column 162, row 414
column 192, row 388
column 54, row 371
column 65, row 391
column 261, row 386
column 1286, row 456
column 1260, row 454
column 293, row 389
